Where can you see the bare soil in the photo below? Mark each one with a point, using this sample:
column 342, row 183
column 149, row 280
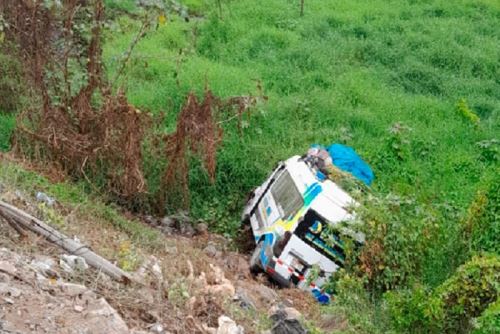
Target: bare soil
column 189, row 282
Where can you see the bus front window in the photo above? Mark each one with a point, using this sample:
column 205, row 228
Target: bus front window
column 287, row 196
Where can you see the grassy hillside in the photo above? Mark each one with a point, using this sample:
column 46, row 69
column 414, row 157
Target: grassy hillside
column 382, row 76
column 413, row 86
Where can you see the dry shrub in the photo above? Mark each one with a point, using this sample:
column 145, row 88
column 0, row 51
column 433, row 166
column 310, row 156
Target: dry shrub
column 371, row 259
column 199, row 132
column 85, row 138
column 93, row 134
column 105, row 141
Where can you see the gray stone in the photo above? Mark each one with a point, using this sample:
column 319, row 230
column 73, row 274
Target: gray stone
column 73, row 262
column 151, row 220
column 201, row 228
column 8, row 268
column 267, row 294
column 187, row 229
column 286, row 321
column 4, row 277
column 78, row 308
column 228, row 326
column 167, row 221
column 289, row 312
column 244, row 300
column 6, row 289
column 45, row 266
column 72, row 289
column 106, row 319
column 167, row 230
column 157, row 328
column 181, row 217
column 211, row 250
column 9, row 300
column 44, row 198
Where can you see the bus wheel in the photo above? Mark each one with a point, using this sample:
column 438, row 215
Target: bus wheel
column 255, row 265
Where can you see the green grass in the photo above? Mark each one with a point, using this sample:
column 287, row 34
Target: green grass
column 7, row 124
column 75, row 195
column 346, row 67
column 347, row 71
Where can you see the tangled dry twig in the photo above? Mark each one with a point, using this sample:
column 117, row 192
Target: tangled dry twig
column 96, row 135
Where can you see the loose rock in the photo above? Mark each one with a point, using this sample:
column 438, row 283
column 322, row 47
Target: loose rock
column 78, row 308
column 151, row 220
column 228, row 326
column 202, row 228
column 211, row 250
column 7, row 268
column 187, row 229
column 244, row 300
column 43, row 197
column 157, row 328
column 45, row 266
column 70, row 263
column 72, row 289
column 6, row 289
column 167, row 222
column 150, row 266
column 286, row 321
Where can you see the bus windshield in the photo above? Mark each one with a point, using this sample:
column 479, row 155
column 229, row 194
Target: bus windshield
column 286, row 195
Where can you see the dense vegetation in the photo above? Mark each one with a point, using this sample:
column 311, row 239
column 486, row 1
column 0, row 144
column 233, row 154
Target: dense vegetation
column 384, row 77
column 413, row 86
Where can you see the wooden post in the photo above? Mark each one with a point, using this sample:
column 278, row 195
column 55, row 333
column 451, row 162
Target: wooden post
column 35, row 225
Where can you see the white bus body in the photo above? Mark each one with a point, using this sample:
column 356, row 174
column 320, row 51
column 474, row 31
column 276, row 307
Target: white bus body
column 287, row 214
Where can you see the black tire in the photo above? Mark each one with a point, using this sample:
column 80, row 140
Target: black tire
column 255, row 264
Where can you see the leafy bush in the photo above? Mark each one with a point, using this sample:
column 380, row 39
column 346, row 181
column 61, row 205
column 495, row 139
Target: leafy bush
column 7, row 124
column 354, row 303
column 413, row 310
column 398, row 232
column 468, row 292
column 490, row 150
column 481, row 225
column 452, row 306
column 489, row 321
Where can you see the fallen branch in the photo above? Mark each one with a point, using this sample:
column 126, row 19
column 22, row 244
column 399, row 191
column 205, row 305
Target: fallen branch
column 25, row 220
column 15, row 226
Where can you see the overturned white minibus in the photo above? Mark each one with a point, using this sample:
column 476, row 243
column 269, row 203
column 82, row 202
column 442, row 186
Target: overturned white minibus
column 289, row 215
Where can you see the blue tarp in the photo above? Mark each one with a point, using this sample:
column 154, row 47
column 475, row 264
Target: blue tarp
column 345, row 158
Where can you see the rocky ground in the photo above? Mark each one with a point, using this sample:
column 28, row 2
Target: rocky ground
column 33, row 300
column 193, row 282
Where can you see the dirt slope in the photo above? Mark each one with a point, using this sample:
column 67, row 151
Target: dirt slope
column 190, row 279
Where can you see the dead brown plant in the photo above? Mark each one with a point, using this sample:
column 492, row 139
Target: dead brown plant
column 93, row 134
